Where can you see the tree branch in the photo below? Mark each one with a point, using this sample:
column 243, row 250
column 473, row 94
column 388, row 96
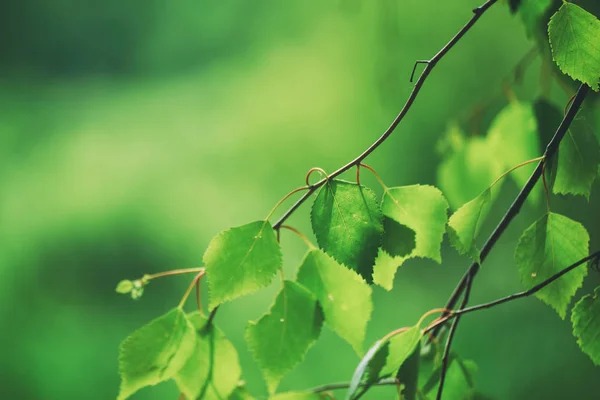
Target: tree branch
column 429, row 65
column 515, row 207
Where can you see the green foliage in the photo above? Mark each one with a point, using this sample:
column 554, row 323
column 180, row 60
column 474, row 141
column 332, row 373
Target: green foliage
column 578, row 160
column 408, row 375
column 124, row 287
column 464, row 224
column 348, row 225
column 343, row 295
column 385, row 269
column 532, row 12
column 585, row 318
column 296, row 396
column 156, row 352
column 549, row 245
column 513, row 136
column 281, row 338
column 212, row 370
column 574, row 34
column 369, row 368
column 460, row 380
column 241, row 260
column 401, row 346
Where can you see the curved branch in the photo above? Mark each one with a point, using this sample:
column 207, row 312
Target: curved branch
column 429, row 65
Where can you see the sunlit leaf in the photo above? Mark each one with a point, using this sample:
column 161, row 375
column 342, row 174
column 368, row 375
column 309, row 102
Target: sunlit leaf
column 548, row 246
column 240, row 393
column 465, row 223
column 402, row 346
column 296, row 396
column 578, row 160
column 281, row 338
column 241, row 260
column 155, row 352
column 585, row 318
column 385, row 269
column 344, row 296
column 423, row 209
column 574, row 35
column 348, row 225
column 513, row 136
column 212, row 370
column 469, row 171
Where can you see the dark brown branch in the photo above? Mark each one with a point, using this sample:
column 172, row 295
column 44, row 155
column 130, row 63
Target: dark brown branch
column 515, row 207
column 430, row 64
column 446, row 356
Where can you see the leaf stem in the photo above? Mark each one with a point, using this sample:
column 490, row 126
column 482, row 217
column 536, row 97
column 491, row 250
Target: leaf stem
column 173, row 272
column 191, row 287
column 287, row 196
column 302, row 236
column 516, row 167
column 383, row 185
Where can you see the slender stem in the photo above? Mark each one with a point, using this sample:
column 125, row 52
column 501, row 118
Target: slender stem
column 300, row 234
column 383, row 185
column 173, row 273
column 429, row 65
column 191, row 287
column 287, row 196
column 514, row 168
column 346, row 385
column 515, row 207
column 446, row 356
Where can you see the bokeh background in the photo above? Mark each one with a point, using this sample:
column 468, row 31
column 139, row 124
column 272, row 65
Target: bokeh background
column 132, row 132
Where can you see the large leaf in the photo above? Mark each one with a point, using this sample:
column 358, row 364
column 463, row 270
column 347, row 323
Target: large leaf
column 241, row 260
column 281, row 338
column 465, row 223
column 513, row 136
column 469, row 171
column 574, row 37
column 344, row 296
column 212, row 371
column 585, row 317
column 578, row 160
column 423, row 209
column 348, row 225
column 548, row 246
column 155, row 352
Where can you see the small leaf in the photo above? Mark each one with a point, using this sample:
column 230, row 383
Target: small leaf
column 385, row 269
column 344, row 296
column 513, row 136
column 548, row 246
column 348, row 225
column 241, row 260
column 578, row 160
column 212, row 370
column 124, row 287
column 369, row 367
column 465, row 223
column 574, row 34
column 402, row 346
column 585, row 318
column 155, row 352
column 240, row 393
column 422, row 209
column 281, row 338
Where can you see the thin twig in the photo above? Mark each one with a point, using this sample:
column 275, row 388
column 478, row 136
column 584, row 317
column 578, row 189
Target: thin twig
column 429, row 65
column 446, row 355
column 346, row 385
column 515, row 207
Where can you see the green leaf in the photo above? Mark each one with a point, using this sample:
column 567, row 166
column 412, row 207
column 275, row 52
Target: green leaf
column 469, row 171
column 460, row 379
column 240, row 393
column 155, row 352
column 408, row 374
column 281, row 338
column 548, row 246
column 124, row 287
column 578, row 160
column 402, row 346
column 212, row 370
column 344, row 296
column 348, row 225
column 513, row 136
column 585, row 318
column 532, row 13
column 385, row 269
column 422, row 209
column 398, row 240
column 465, row 223
column 241, row 260
column 296, row 396
column 574, row 34
column 369, row 368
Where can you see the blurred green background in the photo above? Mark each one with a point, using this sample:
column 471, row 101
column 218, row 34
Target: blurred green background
column 132, row 132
